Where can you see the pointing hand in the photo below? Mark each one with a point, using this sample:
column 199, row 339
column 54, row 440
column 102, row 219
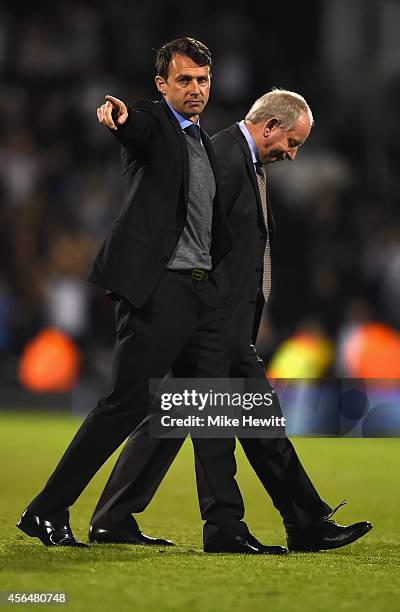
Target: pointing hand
column 115, row 107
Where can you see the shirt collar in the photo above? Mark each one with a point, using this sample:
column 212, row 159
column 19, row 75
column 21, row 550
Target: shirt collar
column 183, row 122
column 250, row 141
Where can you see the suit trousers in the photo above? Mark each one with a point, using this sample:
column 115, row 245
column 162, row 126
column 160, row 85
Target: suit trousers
column 182, row 325
column 144, row 462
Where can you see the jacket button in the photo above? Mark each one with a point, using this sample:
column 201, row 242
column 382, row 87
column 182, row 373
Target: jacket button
column 252, row 301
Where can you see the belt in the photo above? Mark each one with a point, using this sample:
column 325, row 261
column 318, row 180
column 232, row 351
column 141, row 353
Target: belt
column 196, row 274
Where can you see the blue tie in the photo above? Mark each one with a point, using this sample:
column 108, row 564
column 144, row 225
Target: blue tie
column 193, row 131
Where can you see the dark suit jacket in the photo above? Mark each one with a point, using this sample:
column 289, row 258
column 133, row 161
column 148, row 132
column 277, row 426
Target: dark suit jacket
column 155, row 179
column 241, row 197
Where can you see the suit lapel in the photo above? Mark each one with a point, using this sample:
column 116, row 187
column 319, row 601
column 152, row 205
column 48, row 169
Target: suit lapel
column 221, row 233
column 237, row 134
column 240, row 139
column 211, row 155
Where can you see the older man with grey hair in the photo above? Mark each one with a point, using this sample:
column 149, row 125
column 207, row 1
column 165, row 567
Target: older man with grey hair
column 280, row 122
column 275, row 127
column 282, row 103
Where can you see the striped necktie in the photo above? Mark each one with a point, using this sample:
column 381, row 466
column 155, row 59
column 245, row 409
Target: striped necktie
column 266, row 280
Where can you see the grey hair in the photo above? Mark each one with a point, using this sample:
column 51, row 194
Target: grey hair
column 287, row 106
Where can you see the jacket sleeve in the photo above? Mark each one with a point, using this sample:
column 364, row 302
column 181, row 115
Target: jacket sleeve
column 138, row 131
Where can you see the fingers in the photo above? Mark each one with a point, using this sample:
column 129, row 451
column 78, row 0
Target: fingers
column 104, row 112
column 115, row 101
column 122, row 117
column 104, row 115
column 120, row 108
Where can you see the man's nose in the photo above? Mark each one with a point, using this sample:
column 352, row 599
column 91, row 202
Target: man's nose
column 291, row 154
column 195, row 86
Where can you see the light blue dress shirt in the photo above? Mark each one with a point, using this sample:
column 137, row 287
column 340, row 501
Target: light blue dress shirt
column 183, row 122
column 250, row 142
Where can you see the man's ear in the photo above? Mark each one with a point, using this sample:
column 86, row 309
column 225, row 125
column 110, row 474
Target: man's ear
column 270, row 125
column 160, row 84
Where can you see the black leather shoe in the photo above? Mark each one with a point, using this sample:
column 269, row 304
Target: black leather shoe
column 49, row 532
column 325, row 534
column 247, row 545
column 267, row 550
column 113, row 536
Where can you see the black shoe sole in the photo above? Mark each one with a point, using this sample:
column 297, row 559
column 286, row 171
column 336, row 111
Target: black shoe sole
column 232, row 552
column 249, row 550
column 96, row 541
column 276, row 553
column 332, row 546
column 245, row 552
column 100, row 535
column 129, row 542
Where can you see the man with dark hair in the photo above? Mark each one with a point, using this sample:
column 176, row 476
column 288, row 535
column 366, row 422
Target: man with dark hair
column 275, row 127
column 157, row 262
column 188, row 47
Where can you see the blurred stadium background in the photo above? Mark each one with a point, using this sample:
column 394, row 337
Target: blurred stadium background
column 334, row 310
column 336, row 259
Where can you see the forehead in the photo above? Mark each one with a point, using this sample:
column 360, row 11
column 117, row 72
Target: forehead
column 301, row 128
column 182, row 64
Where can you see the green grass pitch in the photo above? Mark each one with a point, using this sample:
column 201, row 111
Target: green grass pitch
column 364, row 575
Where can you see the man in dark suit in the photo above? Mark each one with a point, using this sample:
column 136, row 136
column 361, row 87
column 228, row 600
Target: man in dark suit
column 157, row 263
column 275, row 127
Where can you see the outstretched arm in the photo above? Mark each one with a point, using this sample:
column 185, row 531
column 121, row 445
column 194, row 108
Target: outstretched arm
column 134, row 129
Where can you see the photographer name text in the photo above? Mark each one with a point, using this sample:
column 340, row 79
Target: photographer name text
column 222, row 421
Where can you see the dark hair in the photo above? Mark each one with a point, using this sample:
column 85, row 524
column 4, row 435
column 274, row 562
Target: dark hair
column 190, row 47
